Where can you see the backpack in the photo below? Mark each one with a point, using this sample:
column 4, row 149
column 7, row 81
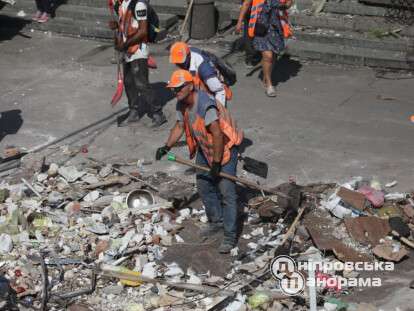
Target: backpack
column 152, row 18
column 225, row 69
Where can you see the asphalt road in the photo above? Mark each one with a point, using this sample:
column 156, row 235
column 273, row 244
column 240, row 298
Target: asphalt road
column 328, row 123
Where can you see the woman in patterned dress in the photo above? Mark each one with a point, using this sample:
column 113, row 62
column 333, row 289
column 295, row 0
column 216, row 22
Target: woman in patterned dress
column 273, row 41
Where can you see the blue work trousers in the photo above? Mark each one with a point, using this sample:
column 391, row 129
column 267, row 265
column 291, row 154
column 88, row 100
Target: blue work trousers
column 219, row 195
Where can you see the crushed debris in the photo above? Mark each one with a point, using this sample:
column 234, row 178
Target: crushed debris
column 94, row 236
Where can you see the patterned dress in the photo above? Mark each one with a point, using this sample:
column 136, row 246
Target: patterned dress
column 273, row 40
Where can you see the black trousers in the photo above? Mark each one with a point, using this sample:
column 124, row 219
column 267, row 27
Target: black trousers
column 43, row 6
column 138, row 89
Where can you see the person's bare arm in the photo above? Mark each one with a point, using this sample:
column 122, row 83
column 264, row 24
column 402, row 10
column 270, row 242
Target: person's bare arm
column 218, row 141
column 175, row 134
column 139, row 36
column 243, row 11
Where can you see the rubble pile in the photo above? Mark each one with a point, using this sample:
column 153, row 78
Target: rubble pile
column 94, row 237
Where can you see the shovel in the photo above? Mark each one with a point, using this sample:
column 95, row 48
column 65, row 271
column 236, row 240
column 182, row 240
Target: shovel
column 120, row 79
column 254, row 166
column 172, row 157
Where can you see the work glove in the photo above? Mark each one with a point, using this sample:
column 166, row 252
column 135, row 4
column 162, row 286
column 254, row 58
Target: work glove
column 161, row 151
column 215, row 170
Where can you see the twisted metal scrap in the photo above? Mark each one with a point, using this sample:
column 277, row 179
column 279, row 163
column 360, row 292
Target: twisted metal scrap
column 401, row 11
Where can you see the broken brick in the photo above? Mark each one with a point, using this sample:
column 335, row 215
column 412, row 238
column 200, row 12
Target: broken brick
column 354, row 198
column 367, row 230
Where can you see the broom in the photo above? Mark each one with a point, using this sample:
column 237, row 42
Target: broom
column 120, row 79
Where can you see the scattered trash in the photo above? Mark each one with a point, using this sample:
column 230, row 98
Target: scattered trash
column 58, row 224
column 4, row 194
column 11, row 151
column 367, row 230
column 6, row 244
column 258, row 299
column 376, row 197
column 390, row 250
column 105, row 171
column 334, row 205
column 335, row 304
column 70, row 173
column 92, row 196
column 53, row 170
column 354, row 198
column 391, row 184
column 389, row 211
column 238, row 304
column 234, row 252
column 409, row 210
column 395, row 196
column 8, row 299
column 21, row 13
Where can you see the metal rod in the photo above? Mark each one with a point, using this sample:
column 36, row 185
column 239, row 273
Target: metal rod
column 31, row 188
column 56, row 141
column 126, row 174
column 233, row 178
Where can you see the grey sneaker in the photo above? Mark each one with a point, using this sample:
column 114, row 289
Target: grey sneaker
column 158, row 119
column 210, row 230
column 226, row 246
column 132, row 116
column 270, row 91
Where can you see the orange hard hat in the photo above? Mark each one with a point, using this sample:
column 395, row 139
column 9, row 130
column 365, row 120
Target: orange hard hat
column 179, row 78
column 179, row 52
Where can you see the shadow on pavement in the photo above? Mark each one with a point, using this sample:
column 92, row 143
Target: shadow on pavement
column 284, row 69
column 162, row 94
column 10, row 122
column 11, row 27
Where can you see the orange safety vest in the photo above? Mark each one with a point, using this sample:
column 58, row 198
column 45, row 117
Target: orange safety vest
column 126, row 29
column 197, row 135
column 284, row 20
column 256, row 9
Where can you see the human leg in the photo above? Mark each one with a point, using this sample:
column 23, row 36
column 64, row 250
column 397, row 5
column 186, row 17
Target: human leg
column 229, row 204
column 267, row 65
column 45, row 11
column 147, row 102
column 267, row 62
column 39, row 7
column 131, row 93
column 209, row 194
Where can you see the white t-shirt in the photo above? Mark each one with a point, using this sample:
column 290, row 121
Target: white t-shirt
column 140, row 14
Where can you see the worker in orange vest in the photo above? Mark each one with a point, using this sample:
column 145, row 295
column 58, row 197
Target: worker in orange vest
column 268, row 26
column 132, row 41
column 200, row 65
column 213, row 138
